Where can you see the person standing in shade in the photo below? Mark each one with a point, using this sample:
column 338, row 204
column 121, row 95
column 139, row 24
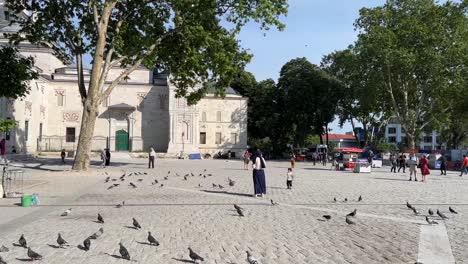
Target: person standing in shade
column 424, row 168
column 443, row 165
column 293, row 160
column 103, row 157
column 464, row 168
column 413, row 163
column 108, row 156
column 151, row 157
column 247, row 156
column 402, row 163
column 62, row 155
column 393, row 162
column 314, row 157
column 324, row 159
column 258, row 173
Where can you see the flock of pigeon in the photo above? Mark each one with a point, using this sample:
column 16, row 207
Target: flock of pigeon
column 431, row 213
column 196, row 258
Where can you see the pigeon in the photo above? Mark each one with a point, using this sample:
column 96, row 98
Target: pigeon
column 87, row 244
column 209, row 174
column 273, row 202
column 238, row 207
column 140, row 180
column 185, row 178
column 60, row 241
column 430, row 212
column 132, row 184
column 169, row 172
column 22, row 241
column 194, row 256
column 162, row 185
column 2, row 261
column 349, row 221
column 114, row 180
column 409, row 205
column 251, row 259
column 4, row 249
column 100, row 219
column 110, row 187
column 144, row 173
column 97, row 234
column 136, row 224
column 220, row 186
column 214, row 185
column 166, row 178
column 118, row 206
column 352, row 214
column 345, row 200
column 116, row 184
column 431, row 222
column 156, row 182
column 360, row 198
column 328, row 217
column 199, row 185
column 152, row 240
column 231, row 182
column 33, row 255
column 107, row 180
column 239, row 211
column 452, row 210
column 334, row 199
column 415, row 211
column 124, row 252
column 67, row 212
column 192, row 174
column 441, row 214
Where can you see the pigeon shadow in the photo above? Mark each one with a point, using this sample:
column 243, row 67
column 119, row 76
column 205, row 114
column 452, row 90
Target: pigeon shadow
column 229, row 193
column 24, row 259
column 391, row 179
column 53, row 246
column 131, row 227
column 81, row 247
column 17, row 245
column 184, row 260
column 114, row 256
column 97, row 222
column 144, row 243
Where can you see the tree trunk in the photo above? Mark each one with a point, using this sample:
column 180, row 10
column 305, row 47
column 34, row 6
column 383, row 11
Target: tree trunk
column 326, row 131
column 88, row 122
column 410, row 138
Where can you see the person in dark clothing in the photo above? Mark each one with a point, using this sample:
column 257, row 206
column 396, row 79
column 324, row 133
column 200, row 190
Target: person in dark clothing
column 108, row 156
column 62, row 155
column 443, row 165
column 402, row 163
column 393, row 161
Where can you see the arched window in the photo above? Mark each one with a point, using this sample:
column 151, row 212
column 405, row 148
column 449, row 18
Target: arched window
column 203, row 117
column 218, row 116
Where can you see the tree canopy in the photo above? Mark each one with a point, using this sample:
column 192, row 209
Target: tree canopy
column 16, row 73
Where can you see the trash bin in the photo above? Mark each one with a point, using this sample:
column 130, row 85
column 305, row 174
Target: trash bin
column 26, row 200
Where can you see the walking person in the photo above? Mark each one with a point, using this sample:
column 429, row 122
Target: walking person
column 324, row 159
column 443, row 165
column 293, row 160
column 289, row 178
column 314, row 157
column 3, row 151
column 151, row 157
column 413, row 163
column 464, row 168
column 393, row 162
column 402, row 163
column 247, row 156
column 108, row 156
column 258, row 173
column 62, row 156
column 103, row 157
column 424, row 168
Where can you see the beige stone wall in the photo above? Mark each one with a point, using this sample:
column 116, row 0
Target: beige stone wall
column 232, row 126
column 47, row 62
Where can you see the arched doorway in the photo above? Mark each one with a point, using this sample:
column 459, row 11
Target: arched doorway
column 121, row 140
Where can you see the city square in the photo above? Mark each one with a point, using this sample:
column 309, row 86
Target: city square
column 182, row 214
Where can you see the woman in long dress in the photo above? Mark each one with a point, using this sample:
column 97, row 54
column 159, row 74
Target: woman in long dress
column 259, row 174
column 424, row 167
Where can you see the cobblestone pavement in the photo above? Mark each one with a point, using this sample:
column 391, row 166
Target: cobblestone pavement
column 183, row 214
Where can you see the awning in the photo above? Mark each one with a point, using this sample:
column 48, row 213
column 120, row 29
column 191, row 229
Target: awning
column 121, row 106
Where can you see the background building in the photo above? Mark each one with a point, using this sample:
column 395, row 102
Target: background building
column 395, row 133
column 140, row 113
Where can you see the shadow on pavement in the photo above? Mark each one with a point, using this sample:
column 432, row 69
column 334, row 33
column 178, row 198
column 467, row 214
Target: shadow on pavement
column 229, row 193
column 183, row 260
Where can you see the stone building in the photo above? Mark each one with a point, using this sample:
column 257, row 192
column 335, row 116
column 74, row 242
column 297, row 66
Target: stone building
column 140, row 113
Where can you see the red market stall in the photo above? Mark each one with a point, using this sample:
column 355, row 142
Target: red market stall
column 350, row 156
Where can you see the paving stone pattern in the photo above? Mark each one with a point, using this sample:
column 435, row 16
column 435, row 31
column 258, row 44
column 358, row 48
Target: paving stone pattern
column 182, row 214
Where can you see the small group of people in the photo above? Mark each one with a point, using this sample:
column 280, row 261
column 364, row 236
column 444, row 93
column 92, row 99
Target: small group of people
column 320, row 158
column 414, row 163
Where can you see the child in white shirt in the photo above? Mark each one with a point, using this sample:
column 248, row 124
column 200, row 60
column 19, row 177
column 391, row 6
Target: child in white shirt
column 289, row 178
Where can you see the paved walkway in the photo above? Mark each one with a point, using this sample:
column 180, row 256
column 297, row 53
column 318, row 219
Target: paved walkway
column 191, row 213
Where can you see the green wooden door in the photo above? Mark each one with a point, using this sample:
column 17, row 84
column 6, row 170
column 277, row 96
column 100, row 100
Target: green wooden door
column 121, row 140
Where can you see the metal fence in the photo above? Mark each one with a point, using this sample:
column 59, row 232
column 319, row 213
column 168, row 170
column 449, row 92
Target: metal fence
column 57, row 143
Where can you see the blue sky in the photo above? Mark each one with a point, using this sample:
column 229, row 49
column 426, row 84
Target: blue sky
column 314, row 28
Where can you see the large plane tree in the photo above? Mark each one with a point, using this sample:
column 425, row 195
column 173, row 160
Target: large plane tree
column 195, row 40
